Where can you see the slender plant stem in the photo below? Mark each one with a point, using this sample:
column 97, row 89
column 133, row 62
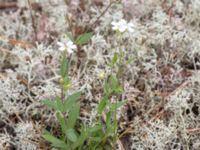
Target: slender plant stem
column 105, row 10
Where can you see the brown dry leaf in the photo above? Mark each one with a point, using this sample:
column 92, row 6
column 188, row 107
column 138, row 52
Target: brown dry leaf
column 17, row 42
column 22, row 80
column 6, row 5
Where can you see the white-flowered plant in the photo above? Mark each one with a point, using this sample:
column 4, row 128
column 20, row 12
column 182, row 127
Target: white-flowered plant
column 122, row 26
column 69, row 46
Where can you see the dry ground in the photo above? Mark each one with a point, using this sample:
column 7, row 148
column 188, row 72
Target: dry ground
column 161, row 83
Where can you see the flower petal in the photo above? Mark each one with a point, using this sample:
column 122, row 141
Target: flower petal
column 69, row 43
column 73, row 46
column 122, row 21
column 114, row 23
column 70, row 51
column 62, row 48
column 115, row 28
column 60, row 44
column 131, row 30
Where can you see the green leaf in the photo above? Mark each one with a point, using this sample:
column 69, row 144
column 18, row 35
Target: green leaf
column 73, row 116
column 106, row 88
column 108, row 121
column 96, row 139
column 96, row 128
column 116, row 105
column 59, row 103
column 50, row 103
column 118, row 90
column 53, row 140
column 115, row 58
column 114, row 82
column 61, row 120
column 83, row 136
column 64, row 66
column 66, row 80
column 71, row 135
column 84, row 38
column 102, row 105
column 71, row 100
column 121, row 103
column 60, row 145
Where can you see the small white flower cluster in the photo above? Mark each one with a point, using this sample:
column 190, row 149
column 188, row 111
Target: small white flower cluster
column 69, row 46
column 122, row 26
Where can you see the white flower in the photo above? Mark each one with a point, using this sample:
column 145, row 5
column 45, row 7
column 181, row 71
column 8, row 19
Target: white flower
column 121, row 26
column 115, row 25
column 69, row 46
column 130, row 27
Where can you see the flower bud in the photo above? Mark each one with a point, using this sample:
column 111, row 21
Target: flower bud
column 61, row 81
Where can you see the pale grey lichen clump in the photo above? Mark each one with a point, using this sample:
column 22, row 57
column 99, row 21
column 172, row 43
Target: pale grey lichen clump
column 161, row 82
